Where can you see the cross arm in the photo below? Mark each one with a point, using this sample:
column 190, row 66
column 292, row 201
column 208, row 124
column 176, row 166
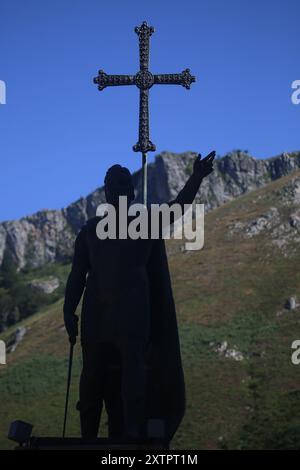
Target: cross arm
column 104, row 80
column 184, row 78
column 144, row 32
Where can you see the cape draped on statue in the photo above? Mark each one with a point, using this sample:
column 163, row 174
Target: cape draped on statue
column 166, row 387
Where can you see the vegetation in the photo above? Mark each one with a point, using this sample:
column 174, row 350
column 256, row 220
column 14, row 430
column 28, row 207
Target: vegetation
column 17, row 300
column 231, row 290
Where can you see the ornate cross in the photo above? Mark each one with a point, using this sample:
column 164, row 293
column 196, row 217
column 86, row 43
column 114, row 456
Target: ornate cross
column 144, row 80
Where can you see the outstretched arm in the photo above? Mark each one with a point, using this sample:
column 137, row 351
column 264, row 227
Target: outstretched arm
column 75, row 285
column 201, row 169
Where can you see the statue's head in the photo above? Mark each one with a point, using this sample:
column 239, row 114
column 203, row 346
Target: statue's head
column 118, row 182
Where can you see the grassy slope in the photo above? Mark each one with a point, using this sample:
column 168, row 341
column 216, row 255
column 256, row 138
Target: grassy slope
column 230, row 290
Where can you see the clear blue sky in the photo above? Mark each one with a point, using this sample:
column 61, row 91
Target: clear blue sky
column 59, row 134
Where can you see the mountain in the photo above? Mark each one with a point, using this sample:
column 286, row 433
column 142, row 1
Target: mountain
column 237, row 322
column 48, row 235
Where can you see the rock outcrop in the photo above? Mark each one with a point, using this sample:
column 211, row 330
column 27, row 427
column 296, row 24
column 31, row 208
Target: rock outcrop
column 281, row 224
column 48, row 235
column 46, row 286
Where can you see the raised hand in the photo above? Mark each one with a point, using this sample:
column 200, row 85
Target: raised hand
column 204, row 166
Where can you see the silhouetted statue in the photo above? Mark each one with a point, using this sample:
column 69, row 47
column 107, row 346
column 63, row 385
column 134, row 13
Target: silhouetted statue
column 129, row 336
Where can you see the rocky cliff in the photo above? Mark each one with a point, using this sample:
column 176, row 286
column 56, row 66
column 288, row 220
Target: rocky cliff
column 48, row 235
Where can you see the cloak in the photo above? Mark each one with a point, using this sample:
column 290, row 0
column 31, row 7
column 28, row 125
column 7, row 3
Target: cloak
column 166, row 387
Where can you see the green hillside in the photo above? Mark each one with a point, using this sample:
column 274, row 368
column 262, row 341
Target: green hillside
column 232, row 290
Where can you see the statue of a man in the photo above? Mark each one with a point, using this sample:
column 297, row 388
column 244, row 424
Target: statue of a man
column 129, row 336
